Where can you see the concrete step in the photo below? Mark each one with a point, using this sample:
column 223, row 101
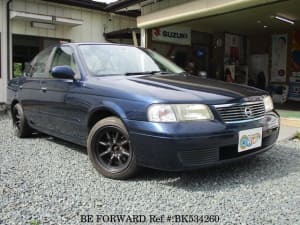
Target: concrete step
column 288, row 128
column 290, row 122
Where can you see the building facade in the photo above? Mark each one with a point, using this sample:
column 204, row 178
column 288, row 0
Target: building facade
column 249, row 42
column 27, row 26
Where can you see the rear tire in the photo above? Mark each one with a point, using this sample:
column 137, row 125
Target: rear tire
column 20, row 125
column 110, row 150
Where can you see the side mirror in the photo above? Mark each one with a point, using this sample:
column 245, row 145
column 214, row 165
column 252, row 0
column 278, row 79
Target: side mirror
column 63, row 72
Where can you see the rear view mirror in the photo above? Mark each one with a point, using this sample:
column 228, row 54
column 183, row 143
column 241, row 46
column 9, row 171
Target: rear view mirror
column 63, row 72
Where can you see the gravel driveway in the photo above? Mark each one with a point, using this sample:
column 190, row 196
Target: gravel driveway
column 44, row 180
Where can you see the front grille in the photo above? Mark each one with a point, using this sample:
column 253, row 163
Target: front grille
column 241, row 112
column 199, row 156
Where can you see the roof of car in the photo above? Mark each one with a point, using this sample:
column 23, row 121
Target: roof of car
column 94, row 43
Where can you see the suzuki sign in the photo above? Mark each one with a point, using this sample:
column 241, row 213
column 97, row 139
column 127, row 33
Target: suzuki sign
column 176, row 35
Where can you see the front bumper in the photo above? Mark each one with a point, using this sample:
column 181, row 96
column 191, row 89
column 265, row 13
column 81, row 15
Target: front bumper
column 182, row 146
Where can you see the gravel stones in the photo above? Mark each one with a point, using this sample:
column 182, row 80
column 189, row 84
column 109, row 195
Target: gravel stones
column 46, row 180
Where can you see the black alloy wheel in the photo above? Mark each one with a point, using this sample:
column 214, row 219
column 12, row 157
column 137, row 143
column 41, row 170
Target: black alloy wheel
column 21, row 127
column 16, row 118
column 110, row 150
column 113, row 149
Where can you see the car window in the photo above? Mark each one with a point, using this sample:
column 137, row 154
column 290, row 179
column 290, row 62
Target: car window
column 40, row 64
column 115, row 60
column 64, row 57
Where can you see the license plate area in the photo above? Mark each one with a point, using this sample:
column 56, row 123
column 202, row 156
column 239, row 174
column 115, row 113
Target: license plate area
column 250, row 139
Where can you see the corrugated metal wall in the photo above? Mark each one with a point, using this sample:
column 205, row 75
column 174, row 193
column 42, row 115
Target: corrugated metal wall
column 94, row 22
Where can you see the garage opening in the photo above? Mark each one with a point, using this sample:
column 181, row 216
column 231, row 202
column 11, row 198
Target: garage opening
column 25, row 48
column 258, row 46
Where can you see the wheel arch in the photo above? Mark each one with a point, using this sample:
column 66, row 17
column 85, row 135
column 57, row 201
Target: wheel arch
column 100, row 113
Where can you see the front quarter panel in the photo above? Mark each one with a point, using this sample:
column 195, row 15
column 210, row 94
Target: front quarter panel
column 103, row 96
column 125, row 109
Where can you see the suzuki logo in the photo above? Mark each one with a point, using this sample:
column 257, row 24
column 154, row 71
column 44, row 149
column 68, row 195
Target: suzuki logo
column 248, row 112
column 156, row 32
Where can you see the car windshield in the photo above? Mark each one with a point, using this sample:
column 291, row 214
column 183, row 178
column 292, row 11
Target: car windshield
column 103, row 60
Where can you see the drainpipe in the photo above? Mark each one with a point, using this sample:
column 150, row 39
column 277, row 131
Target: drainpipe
column 134, row 38
column 143, row 38
column 8, row 37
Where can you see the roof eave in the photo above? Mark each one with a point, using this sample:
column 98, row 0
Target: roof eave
column 121, row 4
column 89, row 4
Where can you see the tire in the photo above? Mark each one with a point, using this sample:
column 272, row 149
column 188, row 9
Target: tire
column 110, row 150
column 20, row 125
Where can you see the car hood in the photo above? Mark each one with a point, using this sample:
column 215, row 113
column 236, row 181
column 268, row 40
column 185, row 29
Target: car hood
column 179, row 88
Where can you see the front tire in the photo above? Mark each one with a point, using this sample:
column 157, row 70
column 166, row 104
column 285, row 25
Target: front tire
column 20, row 125
column 110, row 150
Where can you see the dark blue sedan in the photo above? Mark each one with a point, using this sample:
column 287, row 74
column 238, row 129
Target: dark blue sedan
column 132, row 107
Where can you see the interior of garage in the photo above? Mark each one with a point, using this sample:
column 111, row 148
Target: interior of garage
column 25, row 48
column 257, row 46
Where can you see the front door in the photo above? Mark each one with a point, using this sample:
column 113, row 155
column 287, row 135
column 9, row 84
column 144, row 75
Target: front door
column 58, row 110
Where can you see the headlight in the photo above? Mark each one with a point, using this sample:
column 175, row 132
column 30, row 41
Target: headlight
column 179, row 112
column 268, row 102
column 161, row 113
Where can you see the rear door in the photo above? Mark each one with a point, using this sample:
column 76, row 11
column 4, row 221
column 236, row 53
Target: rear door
column 30, row 87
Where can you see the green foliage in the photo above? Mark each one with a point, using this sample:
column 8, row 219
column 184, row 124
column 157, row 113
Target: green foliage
column 34, row 222
column 298, row 135
column 17, row 69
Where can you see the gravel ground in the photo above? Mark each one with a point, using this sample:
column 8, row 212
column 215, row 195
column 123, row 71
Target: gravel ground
column 44, row 180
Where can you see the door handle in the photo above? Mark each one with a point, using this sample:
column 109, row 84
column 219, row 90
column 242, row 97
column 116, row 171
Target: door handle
column 44, row 89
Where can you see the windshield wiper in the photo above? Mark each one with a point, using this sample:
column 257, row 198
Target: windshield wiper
column 146, row 72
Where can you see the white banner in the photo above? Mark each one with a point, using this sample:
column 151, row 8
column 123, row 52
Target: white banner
column 176, row 35
column 279, row 58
